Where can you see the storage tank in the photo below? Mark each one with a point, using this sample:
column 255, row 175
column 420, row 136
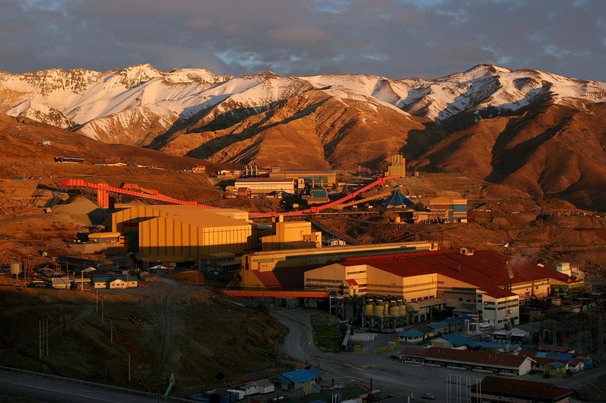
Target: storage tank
column 379, row 308
column 394, row 309
column 369, row 308
column 15, row 268
column 402, row 308
column 386, row 308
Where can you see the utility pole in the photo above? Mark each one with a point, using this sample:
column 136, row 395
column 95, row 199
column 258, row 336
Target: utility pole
column 43, row 338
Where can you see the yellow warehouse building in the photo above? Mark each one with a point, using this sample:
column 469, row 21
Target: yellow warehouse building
column 171, row 233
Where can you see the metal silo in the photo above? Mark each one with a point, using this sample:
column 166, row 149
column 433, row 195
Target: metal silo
column 394, row 309
column 379, row 308
column 402, row 308
column 369, row 308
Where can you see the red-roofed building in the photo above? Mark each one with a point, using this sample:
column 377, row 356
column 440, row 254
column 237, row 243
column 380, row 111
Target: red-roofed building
column 494, row 283
column 495, row 389
column 480, row 361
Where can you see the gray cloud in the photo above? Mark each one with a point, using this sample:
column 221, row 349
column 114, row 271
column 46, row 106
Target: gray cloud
column 392, row 38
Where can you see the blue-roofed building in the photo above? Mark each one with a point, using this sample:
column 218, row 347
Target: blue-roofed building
column 397, row 199
column 411, row 336
column 439, row 328
column 301, row 379
column 556, row 368
column 457, row 323
column 560, row 356
column 458, row 340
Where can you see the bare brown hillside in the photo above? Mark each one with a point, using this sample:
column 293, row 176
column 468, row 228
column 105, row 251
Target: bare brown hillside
column 168, row 328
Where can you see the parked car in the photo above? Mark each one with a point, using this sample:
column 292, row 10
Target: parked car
column 428, row 396
column 143, row 285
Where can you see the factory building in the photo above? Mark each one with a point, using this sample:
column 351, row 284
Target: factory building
column 264, row 185
column 397, row 166
column 291, row 235
column 258, row 267
column 482, row 283
column 452, row 210
column 323, row 178
column 173, row 233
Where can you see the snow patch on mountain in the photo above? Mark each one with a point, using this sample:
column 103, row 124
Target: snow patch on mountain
column 40, row 113
column 82, row 96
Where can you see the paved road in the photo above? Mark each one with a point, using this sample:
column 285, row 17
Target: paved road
column 51, row 389
column 391, row 376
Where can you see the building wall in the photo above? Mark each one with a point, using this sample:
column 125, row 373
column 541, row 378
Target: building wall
column 167, row 239
column 373, row 282
column 328, row 278
column 455, row 210
column 319, row 178
column 128, row 218
column 537, row 288
column 266, row 186
column 397, row 166
column 495, row 310
column 267, row 261
column 292, row 235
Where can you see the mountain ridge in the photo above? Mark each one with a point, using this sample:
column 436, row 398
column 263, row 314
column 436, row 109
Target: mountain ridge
column 488, row 121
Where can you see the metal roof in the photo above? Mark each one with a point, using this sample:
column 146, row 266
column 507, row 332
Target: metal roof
column 411, row 333
column 489, row 271
column 300, row 375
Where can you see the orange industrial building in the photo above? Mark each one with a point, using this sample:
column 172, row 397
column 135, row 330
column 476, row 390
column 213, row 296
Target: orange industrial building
column 174, row 233
column 261, row 269
column 452, row 210
column 482, row 283
column 171, row 233
column 291, row 235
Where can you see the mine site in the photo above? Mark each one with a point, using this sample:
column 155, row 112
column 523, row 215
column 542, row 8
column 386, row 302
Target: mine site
column 162, row 279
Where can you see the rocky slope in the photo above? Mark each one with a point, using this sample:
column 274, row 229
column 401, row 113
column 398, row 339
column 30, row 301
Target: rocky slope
column 533, row 130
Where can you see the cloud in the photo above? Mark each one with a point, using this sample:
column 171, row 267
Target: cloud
column 392, row 38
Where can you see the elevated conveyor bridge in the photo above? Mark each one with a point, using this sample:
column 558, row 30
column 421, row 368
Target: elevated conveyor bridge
column 103, row 191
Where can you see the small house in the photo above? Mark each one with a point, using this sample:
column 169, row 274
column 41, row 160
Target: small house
column 99, row 282
column 60, row 283
column 301, row 379
column 117, row 283
column 263, row 386
column 411, row 336
column 556, row 369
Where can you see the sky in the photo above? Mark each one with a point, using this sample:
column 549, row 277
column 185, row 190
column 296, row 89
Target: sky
column 389, row 38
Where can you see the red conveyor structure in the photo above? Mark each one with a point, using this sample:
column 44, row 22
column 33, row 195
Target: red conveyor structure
column 316, row 209
column 103, row 190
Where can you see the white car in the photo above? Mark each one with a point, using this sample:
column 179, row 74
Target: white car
column 428, row 396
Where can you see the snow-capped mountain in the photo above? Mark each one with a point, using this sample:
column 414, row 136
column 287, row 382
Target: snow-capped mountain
column 84, row 96
column 488, row 121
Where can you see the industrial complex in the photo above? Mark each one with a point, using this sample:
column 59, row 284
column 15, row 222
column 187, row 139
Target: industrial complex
column 381, row 286
column 439, row 303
